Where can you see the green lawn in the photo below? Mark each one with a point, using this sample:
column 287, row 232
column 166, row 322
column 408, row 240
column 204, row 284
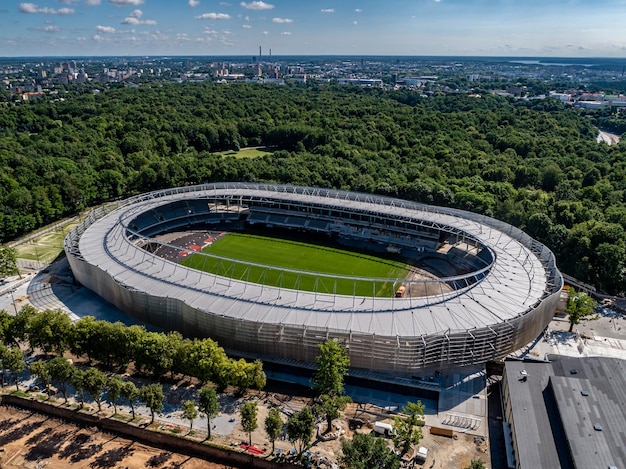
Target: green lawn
column 245, row 153
column 296, row 255
column 46, row 247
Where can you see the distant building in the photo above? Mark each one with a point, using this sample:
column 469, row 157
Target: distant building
column 569, row 413
column 233, row 76
column 300, row 78
column 616, row 100
column 30, row 95
column 419, row 81
column 563, row 97
column 592, row 104
column 365, row 82
column 81, row 77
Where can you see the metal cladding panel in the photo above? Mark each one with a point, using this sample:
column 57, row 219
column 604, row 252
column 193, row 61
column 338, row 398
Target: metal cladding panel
column 501, row 312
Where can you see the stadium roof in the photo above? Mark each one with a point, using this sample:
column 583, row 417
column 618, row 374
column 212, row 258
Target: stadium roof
column 515, row 284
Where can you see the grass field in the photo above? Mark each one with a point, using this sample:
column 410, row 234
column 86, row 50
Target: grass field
column 245, row 153
column 296, row 255
column 44, row 248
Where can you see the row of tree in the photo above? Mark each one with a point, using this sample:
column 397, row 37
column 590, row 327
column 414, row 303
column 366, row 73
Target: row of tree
column 535, row 163
column 62, row 373
column 115, row 346
column 52, row 331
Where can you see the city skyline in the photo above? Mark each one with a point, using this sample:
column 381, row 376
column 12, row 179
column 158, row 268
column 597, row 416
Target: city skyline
column 553, row 28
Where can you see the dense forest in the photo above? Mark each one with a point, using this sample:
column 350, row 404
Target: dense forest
column 535, row 163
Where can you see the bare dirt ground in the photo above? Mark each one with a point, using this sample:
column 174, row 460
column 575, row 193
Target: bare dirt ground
column 608, row 138
column 29, row 440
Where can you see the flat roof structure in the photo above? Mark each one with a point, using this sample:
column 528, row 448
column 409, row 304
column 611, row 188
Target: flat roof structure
column 568, row 413
column 495, row 308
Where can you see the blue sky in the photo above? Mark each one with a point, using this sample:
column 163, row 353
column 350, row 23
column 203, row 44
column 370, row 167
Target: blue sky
column 570, row 28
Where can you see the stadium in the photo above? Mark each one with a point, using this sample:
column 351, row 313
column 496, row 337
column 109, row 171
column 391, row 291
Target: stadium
column 474, row 288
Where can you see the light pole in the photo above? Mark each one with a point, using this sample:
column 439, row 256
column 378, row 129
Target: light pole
column 13, row 299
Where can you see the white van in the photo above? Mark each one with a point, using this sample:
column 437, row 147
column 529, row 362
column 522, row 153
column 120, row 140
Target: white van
column 383, row 429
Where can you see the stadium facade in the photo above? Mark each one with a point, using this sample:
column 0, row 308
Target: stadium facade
column 501, row 297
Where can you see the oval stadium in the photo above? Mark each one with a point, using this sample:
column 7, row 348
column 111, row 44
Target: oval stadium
column 472, row 288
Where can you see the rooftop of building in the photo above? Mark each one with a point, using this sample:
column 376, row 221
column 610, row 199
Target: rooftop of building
column 570, row 412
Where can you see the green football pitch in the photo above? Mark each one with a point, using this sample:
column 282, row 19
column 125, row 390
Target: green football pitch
column 281, row 254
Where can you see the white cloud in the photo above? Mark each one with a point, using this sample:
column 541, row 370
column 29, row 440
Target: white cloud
column 31, row 8
column 105, row 29
column 213, row 16
column 257, row 5
column 126, row 2
column 266, row 33
column 28, row 8
column 354, row 23
column 134, row 19
column 97, row 37
column 51, row 29
column 358, row 10
column 285, row 33
column 92, row 3
column 193, row 3
column 282, row 20
column 328, row 10
column 246, row 26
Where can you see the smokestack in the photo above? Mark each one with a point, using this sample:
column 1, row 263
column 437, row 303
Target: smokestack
column 260, row 54
column 270, row 53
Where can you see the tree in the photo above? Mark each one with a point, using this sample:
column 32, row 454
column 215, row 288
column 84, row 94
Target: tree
column 8, row 261
column 40, row 369
column 94, row 382
column 5, row 325
column 300, row 428
column 330, row 407
column 407, row 429
column 248, row 412
column 131, row 394
column 258, row 379
column 207, row 361
column 4, row 350
column 332, row 367
column 78, row 381
column 208, row 405
column 13, row 360
column 190, row 412
column 50, row 331
column 114, row 387
column 246, row 375
column 155, row 353
column 152, row 395
column 82, row 336
column 365, row 451
column 475, row 464
column 61, row 371
column 273, row 425
column 18, row 329
column 579, row 305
